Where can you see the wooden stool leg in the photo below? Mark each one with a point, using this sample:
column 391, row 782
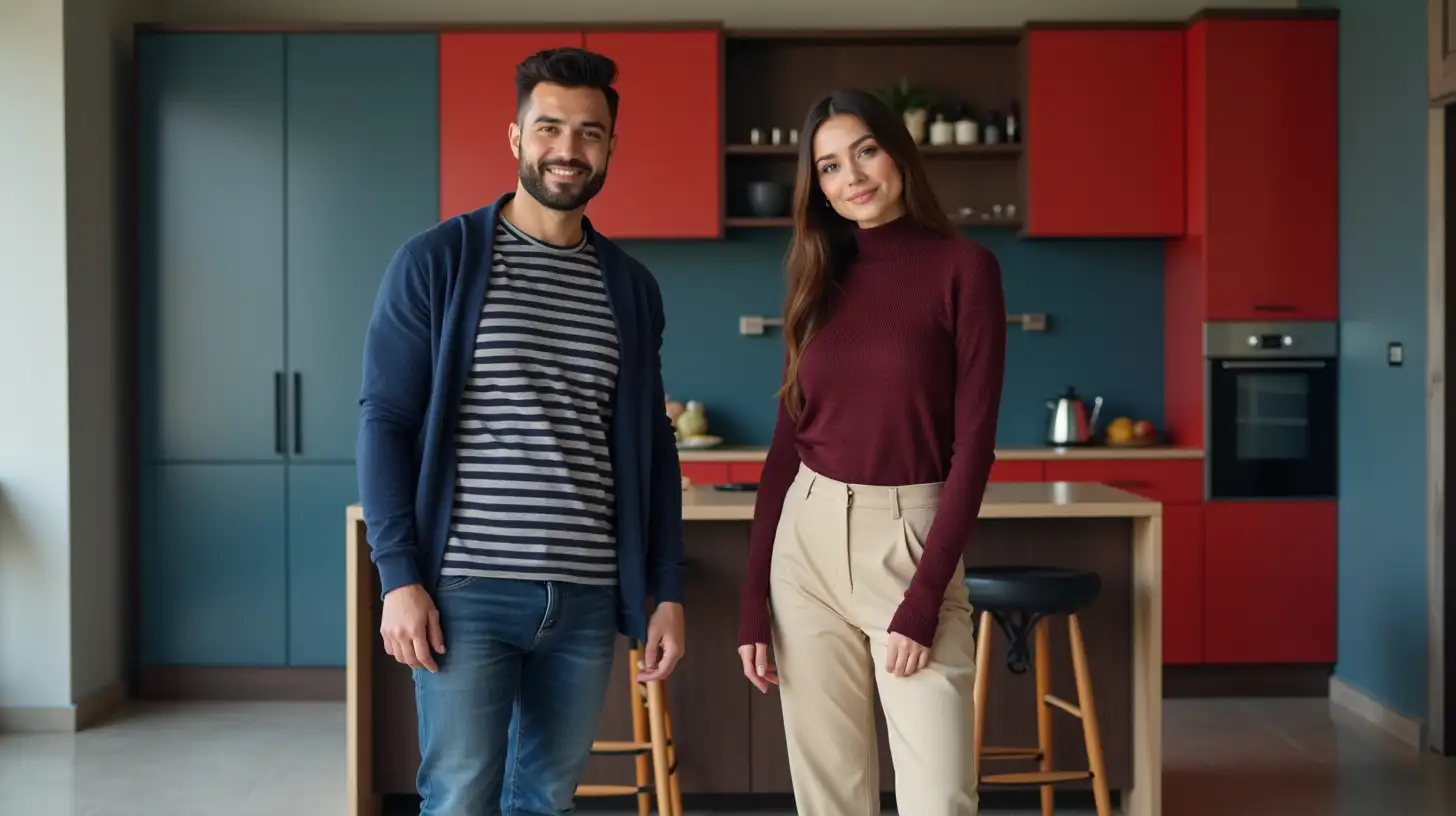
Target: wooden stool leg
column 978, row 695
column 657, row 723
column 675, row 789
column 1042, row 654
column 1090, row 731
column 639, row 733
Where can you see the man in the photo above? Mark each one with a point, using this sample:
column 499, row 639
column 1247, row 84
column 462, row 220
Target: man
column 517, row 469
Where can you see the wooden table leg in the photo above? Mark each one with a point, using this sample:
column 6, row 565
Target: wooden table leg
column 1145, row 797
column 363, row 801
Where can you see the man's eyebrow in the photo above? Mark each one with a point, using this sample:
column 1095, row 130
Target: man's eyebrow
column 556, row 120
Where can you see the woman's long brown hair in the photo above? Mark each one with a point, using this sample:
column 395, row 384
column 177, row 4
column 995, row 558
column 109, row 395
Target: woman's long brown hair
column 823, row 242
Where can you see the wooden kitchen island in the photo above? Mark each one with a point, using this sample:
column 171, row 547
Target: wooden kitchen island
column 730, row 737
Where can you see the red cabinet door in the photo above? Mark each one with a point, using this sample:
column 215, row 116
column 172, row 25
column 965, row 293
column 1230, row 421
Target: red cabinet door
column 665, row 179
column 477, row 107
column 1270, row 581
column 1270, row 143
column 1170, row 481
column 1104, row 132
column 1183, row 601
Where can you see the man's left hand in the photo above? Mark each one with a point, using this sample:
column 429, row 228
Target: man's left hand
column 665, row 644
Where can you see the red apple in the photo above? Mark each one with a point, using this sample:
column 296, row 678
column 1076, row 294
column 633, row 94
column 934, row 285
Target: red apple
column 1142, row 429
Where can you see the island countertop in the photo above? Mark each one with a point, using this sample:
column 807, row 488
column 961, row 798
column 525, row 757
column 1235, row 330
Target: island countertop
column 1021, row 453
column 1005, row 500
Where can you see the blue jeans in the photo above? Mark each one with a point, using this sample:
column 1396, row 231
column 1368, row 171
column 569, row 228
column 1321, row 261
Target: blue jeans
column 507, row 723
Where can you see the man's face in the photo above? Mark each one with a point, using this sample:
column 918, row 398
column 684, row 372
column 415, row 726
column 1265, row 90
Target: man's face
column 563, row 143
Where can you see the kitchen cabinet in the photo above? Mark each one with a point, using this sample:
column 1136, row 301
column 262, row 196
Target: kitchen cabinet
column 668, row 135
column 1017, row 470
column 1104, row 131
column 1178, row 484
column 213, row 572
column 1263, row 186
column 1270, row 581
column 666, row 178
column 1441, row 28
column 211, row 301
column 477, row 98
column 320, row 149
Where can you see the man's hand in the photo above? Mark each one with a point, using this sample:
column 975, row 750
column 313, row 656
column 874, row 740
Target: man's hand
column 665, row 634
column 756, row 667
column 904, row 657
column 410, row 627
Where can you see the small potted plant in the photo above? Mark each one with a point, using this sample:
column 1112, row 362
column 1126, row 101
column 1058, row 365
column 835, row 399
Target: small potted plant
column 912, row 103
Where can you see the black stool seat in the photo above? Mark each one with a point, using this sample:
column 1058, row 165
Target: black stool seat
column 1018, row 597
column 1033, row 590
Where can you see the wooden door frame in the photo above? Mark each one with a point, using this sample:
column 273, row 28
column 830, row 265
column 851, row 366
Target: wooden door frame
column 1436, row 437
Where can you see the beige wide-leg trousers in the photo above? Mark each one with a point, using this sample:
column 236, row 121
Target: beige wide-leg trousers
column 843, row 557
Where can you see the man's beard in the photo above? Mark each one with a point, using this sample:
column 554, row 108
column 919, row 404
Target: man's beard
column 533, row 178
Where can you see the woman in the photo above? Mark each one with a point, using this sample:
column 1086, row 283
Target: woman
column 895, row 329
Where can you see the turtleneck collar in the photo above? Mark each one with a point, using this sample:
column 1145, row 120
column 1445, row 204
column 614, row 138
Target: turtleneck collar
column 889, row 240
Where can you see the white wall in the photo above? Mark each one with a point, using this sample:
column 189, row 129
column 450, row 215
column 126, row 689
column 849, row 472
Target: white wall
column 64, row 375
column 734, row 13
column 35, row 467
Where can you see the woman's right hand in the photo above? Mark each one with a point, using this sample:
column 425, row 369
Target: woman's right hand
column 756, row 666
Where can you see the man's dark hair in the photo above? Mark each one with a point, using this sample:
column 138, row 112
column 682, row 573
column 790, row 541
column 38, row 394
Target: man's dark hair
column 569, row 67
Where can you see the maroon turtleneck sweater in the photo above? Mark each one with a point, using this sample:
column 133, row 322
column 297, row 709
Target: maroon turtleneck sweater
column 901, row 386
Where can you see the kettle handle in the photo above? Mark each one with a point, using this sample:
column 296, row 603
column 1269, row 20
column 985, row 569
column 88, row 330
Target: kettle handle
column 1092, row 423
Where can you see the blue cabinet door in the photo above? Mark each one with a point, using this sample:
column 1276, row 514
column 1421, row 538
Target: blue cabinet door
column 213, row 573
column 363, row 166
column 211, row 224
column 318, row 496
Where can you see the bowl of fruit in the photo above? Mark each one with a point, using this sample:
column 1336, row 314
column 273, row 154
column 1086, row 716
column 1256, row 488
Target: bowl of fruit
column 1126, row 432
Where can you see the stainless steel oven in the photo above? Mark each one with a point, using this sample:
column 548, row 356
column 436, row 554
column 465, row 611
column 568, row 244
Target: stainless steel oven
column 1271, row 418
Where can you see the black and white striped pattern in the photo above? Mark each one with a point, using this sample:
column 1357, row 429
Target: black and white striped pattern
column 533, row 487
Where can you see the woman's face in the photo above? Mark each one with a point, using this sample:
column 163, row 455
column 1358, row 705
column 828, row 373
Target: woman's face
column 859, row 178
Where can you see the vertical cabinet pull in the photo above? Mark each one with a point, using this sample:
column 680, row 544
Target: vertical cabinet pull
column 278, row 412
column 297, row 412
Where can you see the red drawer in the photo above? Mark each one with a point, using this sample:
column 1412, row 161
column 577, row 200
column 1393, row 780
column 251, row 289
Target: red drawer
column 706, row 472
column 1018, row 470
column 745, row 471
column 1170, row 481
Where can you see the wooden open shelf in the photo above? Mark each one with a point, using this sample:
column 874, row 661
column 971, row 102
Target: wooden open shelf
column 787, row 223
column 771, row 80
column 990, row 150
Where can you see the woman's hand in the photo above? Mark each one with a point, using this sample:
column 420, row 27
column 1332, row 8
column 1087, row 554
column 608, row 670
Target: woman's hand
column 756, row 666
column 904, row 657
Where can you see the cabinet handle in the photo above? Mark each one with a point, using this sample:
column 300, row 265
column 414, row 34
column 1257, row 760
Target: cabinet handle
column 278, row 412
column 1129, row 483
column 1274, row 307
column 297, row 413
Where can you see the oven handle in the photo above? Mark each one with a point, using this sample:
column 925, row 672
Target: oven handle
column 1271, row 364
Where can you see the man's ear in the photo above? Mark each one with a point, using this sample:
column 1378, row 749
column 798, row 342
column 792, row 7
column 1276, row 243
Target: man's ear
column 514, row 134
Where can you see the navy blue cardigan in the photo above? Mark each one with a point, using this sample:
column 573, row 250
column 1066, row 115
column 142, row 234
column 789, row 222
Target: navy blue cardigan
column 417, row 353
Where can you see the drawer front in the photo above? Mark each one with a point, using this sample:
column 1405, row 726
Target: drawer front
column 747, row 472
column 1170, row 482
column 705, row 472
column 1018, row 470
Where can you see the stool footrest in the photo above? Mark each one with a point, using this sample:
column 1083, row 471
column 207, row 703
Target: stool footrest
column 611, row 790
column 609, row 747
column 1035, row 778
column 1069, row 707
column 1003, row 753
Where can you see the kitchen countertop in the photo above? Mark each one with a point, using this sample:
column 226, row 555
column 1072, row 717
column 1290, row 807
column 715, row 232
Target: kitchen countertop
column 746, row 453
column 1024, row 500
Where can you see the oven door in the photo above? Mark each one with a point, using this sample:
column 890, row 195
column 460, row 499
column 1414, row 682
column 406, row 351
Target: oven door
column 1272, row 429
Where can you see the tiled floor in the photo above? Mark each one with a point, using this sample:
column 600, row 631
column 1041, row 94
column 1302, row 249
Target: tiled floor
column 1223, row 758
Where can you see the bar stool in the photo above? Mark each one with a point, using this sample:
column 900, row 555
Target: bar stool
column 1020, row 599
column 651, row 738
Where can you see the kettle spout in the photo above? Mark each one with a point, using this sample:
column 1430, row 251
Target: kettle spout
column 1092, row 422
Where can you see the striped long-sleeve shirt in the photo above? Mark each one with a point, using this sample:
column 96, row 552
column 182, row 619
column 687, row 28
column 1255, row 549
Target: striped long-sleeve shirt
column 534, row 491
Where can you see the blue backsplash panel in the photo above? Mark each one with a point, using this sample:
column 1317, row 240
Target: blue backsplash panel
column 1103, row 299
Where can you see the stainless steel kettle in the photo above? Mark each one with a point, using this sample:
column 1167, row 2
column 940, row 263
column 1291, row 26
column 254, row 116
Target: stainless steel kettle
column 1069, row 423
